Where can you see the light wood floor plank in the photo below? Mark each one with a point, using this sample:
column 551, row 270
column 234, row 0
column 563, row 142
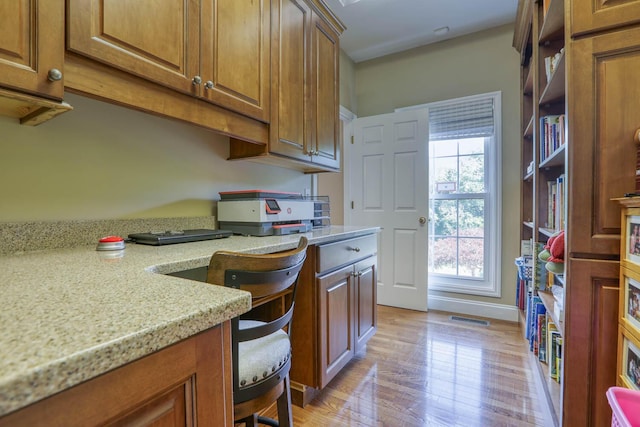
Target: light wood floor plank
column 423, row 369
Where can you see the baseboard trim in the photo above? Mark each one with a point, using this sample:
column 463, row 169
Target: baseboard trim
column 473, row 308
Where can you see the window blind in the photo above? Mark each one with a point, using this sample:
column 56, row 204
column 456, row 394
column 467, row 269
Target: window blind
column 465, row 119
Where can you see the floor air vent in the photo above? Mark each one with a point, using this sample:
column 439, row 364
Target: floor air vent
column 469, row 320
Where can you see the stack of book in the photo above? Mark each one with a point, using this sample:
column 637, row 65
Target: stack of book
column 552, row 130
column 555, row 203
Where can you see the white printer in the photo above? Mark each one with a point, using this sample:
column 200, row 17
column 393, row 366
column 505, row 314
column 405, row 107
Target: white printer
column 265, row 213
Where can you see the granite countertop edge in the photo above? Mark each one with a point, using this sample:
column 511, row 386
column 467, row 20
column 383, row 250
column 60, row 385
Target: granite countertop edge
column 78, row 313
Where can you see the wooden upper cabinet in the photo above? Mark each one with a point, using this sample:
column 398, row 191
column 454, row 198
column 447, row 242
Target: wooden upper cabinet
column 603, row 100
column 325, row 57
column 217, row 50
column 596, row 15
column 32, row 46
column 153, row 40
column 235, row 55
column 289, row 92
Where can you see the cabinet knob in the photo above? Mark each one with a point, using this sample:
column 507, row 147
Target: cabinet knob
column 208, row 84
column 54, row 75
column 196, row 80
column 636, row 136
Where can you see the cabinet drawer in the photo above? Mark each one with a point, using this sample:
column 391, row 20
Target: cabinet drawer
column 343, row 252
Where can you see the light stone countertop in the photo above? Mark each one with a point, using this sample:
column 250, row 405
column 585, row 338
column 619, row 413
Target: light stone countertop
column 69, row 315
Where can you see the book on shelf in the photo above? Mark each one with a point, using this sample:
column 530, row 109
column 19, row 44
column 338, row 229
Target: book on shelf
column 552, row 337
column 558, row 359
column 556, row 203
column 542, row 338
column 540, row 273
column 551, row 64
column 537, row 312
column 552, row 129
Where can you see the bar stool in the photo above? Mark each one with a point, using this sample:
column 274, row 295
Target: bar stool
column 261, row 347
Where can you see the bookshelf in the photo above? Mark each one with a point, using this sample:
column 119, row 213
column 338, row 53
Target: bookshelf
column 579, row 60
column 541, row 31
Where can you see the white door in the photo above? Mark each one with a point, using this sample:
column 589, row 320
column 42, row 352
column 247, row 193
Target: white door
column 388, row 188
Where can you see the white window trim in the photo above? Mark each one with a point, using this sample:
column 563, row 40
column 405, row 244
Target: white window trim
column 492, row 286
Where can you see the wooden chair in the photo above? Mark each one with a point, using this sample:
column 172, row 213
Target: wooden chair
column 261, row 347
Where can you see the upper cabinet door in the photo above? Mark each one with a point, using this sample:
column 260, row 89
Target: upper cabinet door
column 325, row 66
column 32, row 46
column 603, row 103
column 291, row 20
column 235, row 55
column 156, row 40
column 595, row 15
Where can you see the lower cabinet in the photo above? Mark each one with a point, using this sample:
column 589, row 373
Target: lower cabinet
column 186, row 384
column 335, row 312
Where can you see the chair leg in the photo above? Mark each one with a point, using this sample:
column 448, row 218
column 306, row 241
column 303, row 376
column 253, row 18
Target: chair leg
column 284, row 405
column 250, row 421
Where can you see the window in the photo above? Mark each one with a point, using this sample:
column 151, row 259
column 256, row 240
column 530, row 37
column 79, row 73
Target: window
column 464, row 194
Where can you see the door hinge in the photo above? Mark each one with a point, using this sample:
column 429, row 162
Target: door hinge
column 352, row 139
column 353, row 205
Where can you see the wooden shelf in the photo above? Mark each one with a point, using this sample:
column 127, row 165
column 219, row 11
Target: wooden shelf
column 528, row 131
column 528, row 83
column 552, row 389
column 555, row 89
column 553, row 25
column 547, row 231
column 549, row 303
column 555, row 159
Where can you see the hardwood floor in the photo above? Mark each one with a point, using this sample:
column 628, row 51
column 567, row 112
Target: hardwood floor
column 423, row 369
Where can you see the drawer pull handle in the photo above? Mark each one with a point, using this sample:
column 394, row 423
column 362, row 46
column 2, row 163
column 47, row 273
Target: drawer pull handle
column 356, row 249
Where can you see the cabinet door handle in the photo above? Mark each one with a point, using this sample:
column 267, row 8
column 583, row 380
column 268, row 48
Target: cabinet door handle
column 196, row 80
column 54, row 75
column 356, row 249
column 208, row 84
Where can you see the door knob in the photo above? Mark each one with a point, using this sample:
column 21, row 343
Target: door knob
column 422, row 220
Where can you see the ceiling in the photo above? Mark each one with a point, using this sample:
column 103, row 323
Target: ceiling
column 380, row 27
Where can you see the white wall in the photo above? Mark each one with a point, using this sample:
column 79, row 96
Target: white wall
column 102, row 161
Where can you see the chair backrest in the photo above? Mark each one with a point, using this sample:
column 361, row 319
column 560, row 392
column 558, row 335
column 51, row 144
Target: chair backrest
column 264, row 276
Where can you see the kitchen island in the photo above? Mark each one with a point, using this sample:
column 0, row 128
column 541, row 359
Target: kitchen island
column 71, row 315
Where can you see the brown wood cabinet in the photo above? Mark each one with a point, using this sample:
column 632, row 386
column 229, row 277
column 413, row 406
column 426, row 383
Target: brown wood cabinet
column 335, row 313
column 366, row 300
column 32, row 46
column 304, row 131
column 590, row 340
column 604, row 92
column 215, row 50
column 589, row 16
column 31, row 59
column 186, row 384
column 337, row 316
